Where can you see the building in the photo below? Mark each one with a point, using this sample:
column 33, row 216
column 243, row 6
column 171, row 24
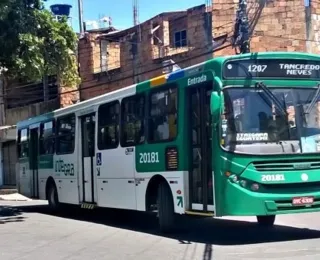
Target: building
column 111, row 59
column 114, row 59
column 277, row 25
column 19, row 101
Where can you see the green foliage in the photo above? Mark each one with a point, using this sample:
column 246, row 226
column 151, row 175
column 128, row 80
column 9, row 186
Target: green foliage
column 34, row 44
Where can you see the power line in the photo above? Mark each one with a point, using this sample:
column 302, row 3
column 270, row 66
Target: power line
column 133, row 42
column 241, row 32
column 146, row 65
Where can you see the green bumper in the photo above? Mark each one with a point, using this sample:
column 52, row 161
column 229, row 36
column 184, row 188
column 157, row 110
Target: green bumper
column 239, row 201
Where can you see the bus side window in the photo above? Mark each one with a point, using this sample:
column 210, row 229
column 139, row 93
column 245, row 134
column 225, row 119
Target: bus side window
column 23, row 143
column 47, row 138
column 163, row 115
column 108, row 125
column 65, row 138
column 133, row 120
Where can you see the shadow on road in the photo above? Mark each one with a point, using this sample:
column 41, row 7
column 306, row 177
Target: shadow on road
column 9, row 215
column 208, row 231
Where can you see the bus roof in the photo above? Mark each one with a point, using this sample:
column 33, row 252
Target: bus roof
column 162, row 80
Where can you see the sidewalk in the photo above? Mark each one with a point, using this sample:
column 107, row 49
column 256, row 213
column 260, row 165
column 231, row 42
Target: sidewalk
column 14, row 197
column 9, row 193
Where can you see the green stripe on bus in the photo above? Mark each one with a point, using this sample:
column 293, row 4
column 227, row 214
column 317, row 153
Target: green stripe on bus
column 46, row 161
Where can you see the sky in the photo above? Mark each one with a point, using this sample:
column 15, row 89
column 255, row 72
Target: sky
column 120, row 11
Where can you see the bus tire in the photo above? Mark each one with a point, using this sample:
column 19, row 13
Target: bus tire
column 53, row 199
column 266, row 221
column 165, row 208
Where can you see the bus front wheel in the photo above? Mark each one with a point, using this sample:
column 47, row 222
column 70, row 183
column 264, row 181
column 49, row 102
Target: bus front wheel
column 53, row 198
column 266, row 221
column 165, row 208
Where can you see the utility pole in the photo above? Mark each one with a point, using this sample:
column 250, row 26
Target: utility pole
column 241, row 36
column 135, row 12
column 2, row 105
column 80, row 8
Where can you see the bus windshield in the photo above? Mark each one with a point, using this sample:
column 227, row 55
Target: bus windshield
column 271, row 120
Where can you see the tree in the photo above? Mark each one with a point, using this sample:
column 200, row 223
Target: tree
column 34, row 44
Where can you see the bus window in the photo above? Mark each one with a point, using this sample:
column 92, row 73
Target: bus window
column 47, row 138
column 108, row 125
column 132, row 120
column 23, row 143
column 65, row 134
column 163, row 115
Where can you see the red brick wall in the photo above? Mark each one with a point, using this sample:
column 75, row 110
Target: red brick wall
column 281, row 26
column 147, row 61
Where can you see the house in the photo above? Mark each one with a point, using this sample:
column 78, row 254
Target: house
column 113, row 59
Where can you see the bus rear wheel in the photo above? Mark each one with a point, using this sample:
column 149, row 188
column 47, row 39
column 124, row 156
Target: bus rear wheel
column 53, row 198
column 266, row 221
column 165, row 208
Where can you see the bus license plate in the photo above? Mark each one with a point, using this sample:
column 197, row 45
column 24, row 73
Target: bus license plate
column 298, row 201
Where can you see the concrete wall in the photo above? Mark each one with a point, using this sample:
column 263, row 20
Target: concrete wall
column 20, row 113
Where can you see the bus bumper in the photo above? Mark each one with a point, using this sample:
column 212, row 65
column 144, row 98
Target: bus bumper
column 239, row 201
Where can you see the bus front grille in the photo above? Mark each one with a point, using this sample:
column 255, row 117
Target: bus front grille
column 287, row 165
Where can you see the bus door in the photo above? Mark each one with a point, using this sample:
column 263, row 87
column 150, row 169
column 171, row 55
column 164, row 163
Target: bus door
column 200, row 163
column 88, row 157
column 34, row 161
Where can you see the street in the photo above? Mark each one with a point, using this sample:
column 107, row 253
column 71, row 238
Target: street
column 28, row 231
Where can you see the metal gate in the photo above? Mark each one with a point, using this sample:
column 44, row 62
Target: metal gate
column 9, row 162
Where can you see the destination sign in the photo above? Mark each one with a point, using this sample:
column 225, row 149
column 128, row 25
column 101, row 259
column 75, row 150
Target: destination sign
column 272, row 68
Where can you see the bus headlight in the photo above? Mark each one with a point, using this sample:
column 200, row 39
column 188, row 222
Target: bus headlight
column 234, row 178
column 243, row 183
column 255, row 186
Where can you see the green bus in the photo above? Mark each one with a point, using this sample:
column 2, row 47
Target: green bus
column 232, row 136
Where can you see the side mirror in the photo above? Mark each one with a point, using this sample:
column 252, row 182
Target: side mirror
column 216, row 103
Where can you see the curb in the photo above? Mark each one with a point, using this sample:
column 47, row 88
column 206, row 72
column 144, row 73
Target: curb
column 1, row 199
column 8, row 191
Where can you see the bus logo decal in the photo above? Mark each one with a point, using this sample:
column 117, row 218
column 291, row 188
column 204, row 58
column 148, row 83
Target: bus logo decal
column 302, row 166
column 98, row 159
column 65, row 168
column 304, row 177
column 129, row 150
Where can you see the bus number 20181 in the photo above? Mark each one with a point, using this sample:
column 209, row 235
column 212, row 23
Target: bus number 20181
column 272, row 177
column 149, row 157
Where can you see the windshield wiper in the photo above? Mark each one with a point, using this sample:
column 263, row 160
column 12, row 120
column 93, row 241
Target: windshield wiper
column 272, row 97
column 313, row 102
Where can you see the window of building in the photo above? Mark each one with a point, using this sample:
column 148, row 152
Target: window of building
column 23, row 143
column 47, row 138
column 132, row 120
column 180, row 39
column 103, row 55
column 66, row 134
column 163, row 115
column 108, row 125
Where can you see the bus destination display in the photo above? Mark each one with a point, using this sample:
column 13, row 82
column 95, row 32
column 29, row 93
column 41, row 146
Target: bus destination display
column 269, row 68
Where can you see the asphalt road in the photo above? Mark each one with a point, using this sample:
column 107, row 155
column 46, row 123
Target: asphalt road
column 28, row 231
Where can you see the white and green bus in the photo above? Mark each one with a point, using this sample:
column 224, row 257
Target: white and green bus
column 233, row 136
